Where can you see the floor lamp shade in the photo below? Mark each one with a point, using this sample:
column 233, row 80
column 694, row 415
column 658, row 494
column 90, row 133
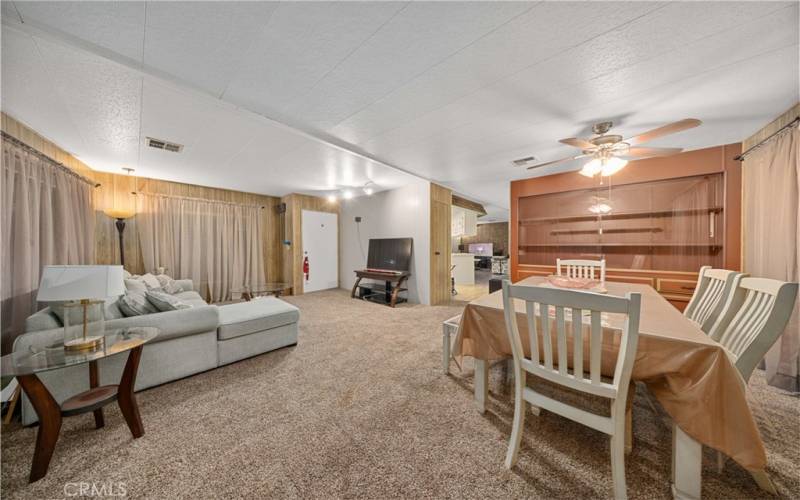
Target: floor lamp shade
column 75, row 287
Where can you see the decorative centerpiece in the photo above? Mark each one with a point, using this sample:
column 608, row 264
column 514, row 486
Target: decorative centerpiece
column 585, row 284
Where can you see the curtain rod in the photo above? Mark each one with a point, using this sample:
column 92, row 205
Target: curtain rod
column 761, row 143
column 43, row 156
column 207, row 200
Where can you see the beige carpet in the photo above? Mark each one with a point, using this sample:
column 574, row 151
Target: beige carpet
column 360, row 408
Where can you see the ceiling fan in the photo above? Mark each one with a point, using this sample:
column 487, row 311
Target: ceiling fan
column 609, row 153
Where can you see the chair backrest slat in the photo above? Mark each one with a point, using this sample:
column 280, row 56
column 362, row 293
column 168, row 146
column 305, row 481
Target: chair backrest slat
column 579, row 268
column 547, row 340
column 752, row 319
column 577, row 343
column 533, row 335
column 561, row 335
column 555, row 366
column 710, row 294
column 595, row 342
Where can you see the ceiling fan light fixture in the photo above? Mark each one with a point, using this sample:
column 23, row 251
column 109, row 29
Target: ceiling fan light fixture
column 592, row 168
column 600, row 208
column 612, row 166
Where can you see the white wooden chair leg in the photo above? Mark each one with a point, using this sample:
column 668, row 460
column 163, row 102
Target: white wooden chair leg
column 481, row 384
column 618, row 464
column 686, row 465
column 518, row 425
column 446, row 349
column 720, row 462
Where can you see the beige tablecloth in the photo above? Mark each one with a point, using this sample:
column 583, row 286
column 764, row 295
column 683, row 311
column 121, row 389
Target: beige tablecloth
column 690, row 374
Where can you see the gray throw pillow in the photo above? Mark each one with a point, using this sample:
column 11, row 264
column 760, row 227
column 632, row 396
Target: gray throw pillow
column 168, row 284
column 111, row 309
column 135, row 304
column 165, row 302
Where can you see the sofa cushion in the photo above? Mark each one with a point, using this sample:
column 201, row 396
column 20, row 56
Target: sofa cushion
column 42, row 320
column 136, row 304
column 191, row 297
column 111, row 309
column 150, row 281
column 260, row 314
column 166, row 302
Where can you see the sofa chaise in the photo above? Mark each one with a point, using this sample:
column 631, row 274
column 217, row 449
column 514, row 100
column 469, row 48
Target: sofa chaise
column 190, row 341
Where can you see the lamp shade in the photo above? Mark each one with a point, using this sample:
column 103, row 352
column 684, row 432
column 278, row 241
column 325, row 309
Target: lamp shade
column 80, row 282
column 119, row 213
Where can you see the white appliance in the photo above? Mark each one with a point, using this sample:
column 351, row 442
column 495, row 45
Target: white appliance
column 464, row 270
column 320, row 233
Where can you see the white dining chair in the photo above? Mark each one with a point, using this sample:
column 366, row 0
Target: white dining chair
column 577, row 268
column 553, row 364
column 753, row 317
column 708, row 299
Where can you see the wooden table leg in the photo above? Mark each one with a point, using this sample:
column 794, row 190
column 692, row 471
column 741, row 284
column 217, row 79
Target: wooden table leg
column 355, row 287
column 481, row 384
column 94, row 381
column 125, row 397
column 686, row 465
column 49, row 414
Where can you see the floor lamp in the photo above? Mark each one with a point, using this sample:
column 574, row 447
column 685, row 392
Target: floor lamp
column 120, row 215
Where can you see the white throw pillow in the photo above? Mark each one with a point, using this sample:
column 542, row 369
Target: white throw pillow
column 135, row 285
column 151, row 281
column 135, row 304
column 168, row 284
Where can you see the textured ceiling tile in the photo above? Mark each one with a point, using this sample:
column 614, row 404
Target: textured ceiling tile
column 302, row 43
column 418, row 37
column 540, row 34
column 102, row 98
column 28, row 93
column 116, row 26
column 204, row 43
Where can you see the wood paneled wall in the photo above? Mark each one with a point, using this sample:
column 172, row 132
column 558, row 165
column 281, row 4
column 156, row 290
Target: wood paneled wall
column 495, row 233
column 292, row 253
column 441, row 219
column 116, row 189
column 789, row 116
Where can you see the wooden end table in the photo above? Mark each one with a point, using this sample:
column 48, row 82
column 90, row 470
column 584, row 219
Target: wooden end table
column 26, row 364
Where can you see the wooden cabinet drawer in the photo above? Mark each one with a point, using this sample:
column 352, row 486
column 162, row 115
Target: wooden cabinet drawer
column 676, row 286
column 638, row 280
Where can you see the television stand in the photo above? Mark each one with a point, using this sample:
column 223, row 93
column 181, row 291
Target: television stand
column 381, row 293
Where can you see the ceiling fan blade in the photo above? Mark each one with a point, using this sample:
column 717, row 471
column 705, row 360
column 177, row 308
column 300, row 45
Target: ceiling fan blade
column 662, row 131
column 578, row 143
column 568, row 158
column 651, row 152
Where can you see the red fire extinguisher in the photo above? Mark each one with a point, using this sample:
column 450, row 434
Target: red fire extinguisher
column 305, row 267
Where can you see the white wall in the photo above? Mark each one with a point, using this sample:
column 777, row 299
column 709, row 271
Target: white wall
column 397, row 213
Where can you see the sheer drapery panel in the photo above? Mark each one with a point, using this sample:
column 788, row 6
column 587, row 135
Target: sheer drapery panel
column 770, row 213
column 48, row 218
column 218, row 245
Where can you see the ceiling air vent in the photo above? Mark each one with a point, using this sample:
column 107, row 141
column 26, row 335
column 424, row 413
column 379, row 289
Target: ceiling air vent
column 166, row 146
column 523, row 161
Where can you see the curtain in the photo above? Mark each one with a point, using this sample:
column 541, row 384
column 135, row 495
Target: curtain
column 48, row 218
column 218, row 245
column 770, row 209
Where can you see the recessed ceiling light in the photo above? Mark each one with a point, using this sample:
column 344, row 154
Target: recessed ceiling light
column 332, row 198
column 347, row 194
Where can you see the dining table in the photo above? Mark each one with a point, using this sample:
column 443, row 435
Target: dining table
column 692, row 376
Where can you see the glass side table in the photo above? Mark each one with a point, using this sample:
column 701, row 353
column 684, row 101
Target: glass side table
column 26, row 364
column 249, row 292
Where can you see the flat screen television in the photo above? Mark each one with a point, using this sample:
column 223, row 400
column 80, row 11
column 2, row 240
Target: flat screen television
column 389, row 254
column 482, row 249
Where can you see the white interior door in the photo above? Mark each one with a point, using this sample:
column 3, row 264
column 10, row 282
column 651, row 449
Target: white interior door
column 321, row 248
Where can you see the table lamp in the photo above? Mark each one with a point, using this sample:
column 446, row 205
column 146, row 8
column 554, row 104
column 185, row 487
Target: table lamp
column 84, row 288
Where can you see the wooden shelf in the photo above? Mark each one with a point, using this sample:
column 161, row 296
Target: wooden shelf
column 608, row 231
column 573, row 245
column 622, row 215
